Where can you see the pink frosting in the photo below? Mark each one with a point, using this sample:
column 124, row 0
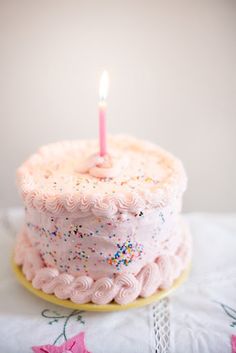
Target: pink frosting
column 122, row 288
column 103, row 167
column 136, row 173
column 97, row 246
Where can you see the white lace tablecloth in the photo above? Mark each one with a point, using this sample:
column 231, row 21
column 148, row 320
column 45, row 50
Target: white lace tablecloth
column 199, row 317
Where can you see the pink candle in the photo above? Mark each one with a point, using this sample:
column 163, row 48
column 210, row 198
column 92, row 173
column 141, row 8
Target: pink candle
column 102, row 130
column 102, row 114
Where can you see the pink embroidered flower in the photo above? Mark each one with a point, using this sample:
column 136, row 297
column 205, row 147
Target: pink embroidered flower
column 233, row 343
column 74, row 345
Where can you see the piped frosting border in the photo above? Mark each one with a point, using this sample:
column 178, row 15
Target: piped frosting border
column 99, row 204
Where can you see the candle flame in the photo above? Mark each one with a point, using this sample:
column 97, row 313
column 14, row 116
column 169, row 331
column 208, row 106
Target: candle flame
column 104, row 84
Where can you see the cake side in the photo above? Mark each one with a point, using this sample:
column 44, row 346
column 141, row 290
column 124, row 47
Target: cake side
column 98, row 246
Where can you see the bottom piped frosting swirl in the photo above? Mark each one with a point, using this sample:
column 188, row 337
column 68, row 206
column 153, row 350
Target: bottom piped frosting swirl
column 123, row 289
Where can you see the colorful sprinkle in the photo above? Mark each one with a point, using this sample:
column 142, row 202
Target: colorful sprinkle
column 126, row 253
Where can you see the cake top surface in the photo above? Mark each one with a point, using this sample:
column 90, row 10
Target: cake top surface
column 71, row 176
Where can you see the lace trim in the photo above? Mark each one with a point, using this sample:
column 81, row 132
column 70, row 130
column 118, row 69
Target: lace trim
column 161, row 326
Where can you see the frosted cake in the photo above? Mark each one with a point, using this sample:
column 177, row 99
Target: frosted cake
column 101, row 229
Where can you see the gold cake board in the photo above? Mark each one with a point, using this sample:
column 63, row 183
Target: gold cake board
column 94, row 307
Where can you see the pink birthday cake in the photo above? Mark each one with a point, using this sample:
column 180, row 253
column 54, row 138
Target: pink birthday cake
column 102, row 229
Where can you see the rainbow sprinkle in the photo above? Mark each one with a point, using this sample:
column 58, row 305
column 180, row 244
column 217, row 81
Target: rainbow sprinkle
column 126, row 253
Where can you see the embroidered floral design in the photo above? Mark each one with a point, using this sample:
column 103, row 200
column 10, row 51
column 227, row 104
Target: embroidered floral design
column 229, row 312
column 232, row 314
column 54, row 316
column 74, row 345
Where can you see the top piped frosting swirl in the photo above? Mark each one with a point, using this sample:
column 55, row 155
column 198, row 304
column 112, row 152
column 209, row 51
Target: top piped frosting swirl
column 109, row 166
column 69, row 176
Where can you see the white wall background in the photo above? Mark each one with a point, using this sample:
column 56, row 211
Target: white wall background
column 172, row 67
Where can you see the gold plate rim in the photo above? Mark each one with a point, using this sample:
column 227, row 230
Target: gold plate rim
column 94, row 307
